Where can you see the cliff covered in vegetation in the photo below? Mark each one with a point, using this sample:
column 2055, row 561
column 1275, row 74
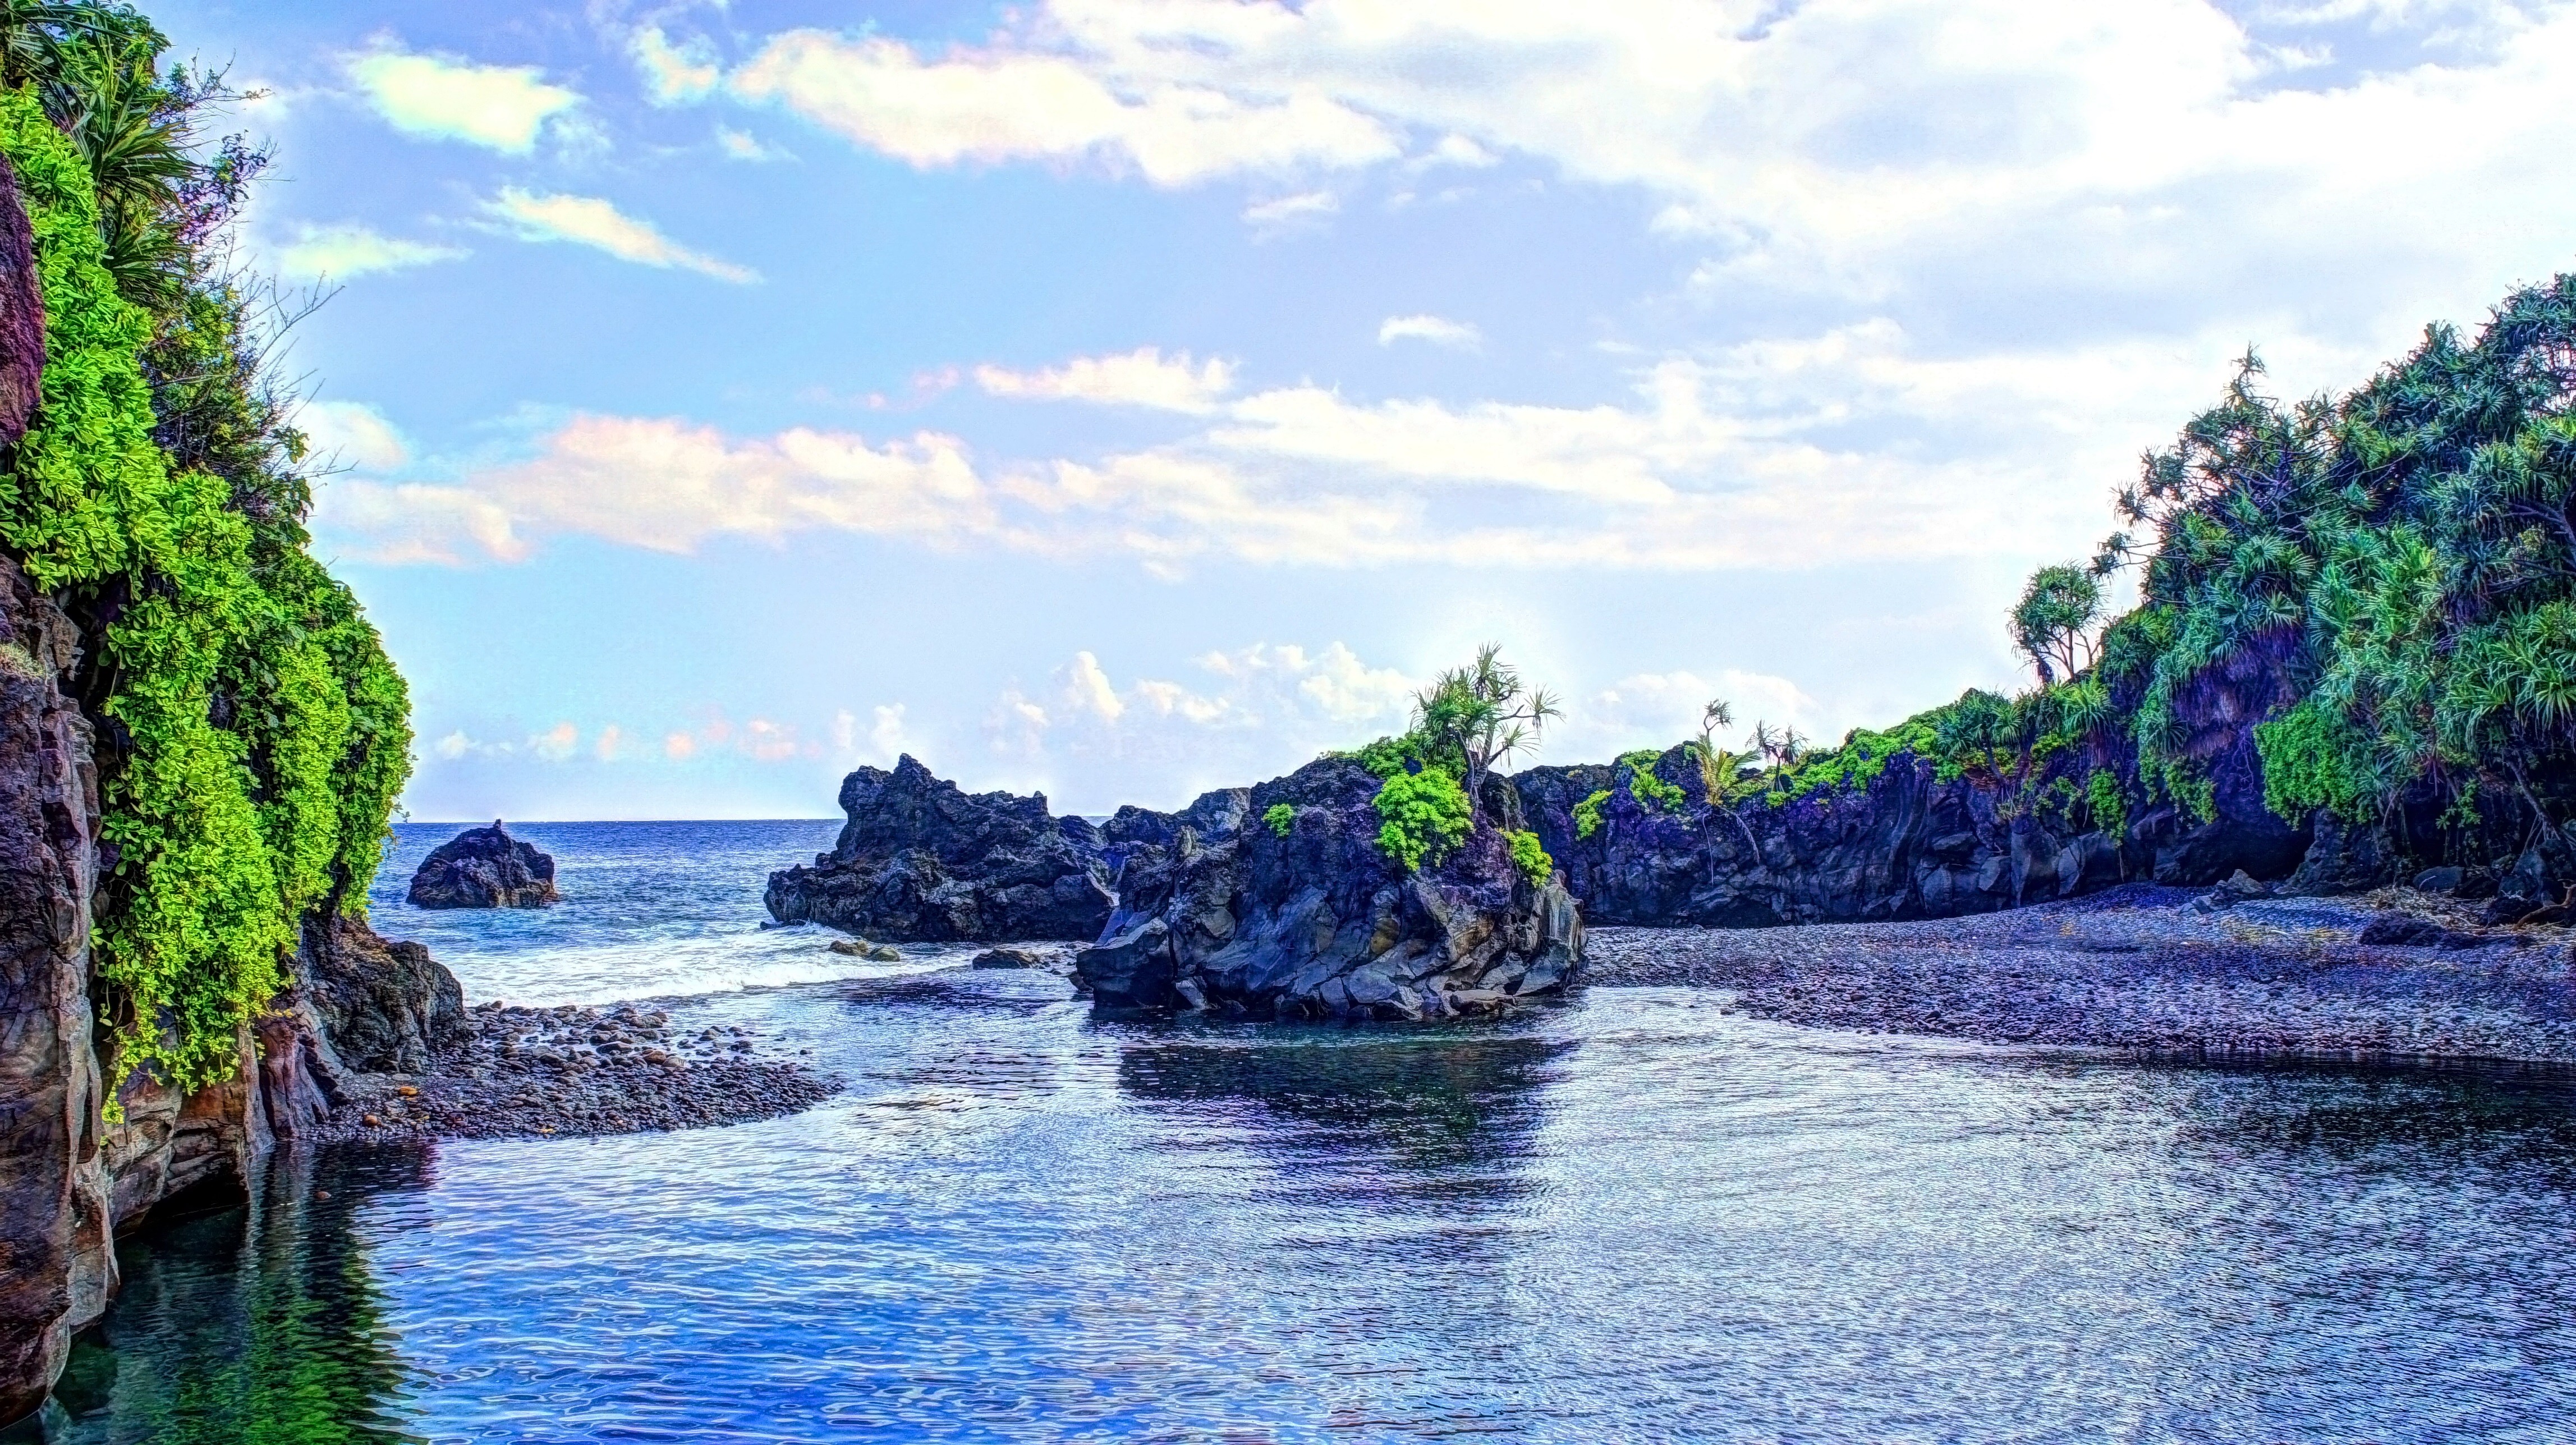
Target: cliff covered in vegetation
column 205, row 735
column 2352, row 658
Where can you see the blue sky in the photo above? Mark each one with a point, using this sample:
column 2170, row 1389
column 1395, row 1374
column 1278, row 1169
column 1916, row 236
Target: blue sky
column 1127, row 397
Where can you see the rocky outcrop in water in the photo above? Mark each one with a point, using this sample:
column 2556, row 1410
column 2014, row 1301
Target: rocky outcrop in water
column 1317, row 921
column 921, row 861
column 484, row 868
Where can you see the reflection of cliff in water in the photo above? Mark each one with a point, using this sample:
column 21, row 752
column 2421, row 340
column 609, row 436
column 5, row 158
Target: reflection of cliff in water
column 261, row 1323
column 2398, row 1122
column 1444, row 1106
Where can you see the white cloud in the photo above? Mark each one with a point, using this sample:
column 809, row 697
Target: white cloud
column 455, row 745
column 352, row 434
column 501, row 107
column 885, row 741
column 349, row 249
column 1088, row 689
column 1143, row 377
column 556, row 743
column 1003, row 105
column 670, row 487
column 1438, row 330
column 591, row 221
column 1837, row 446
column 1457, row 150
column 742, row 145
column 1286, row 211
column 2034, row 151
column 674, row 73
column 611, row 746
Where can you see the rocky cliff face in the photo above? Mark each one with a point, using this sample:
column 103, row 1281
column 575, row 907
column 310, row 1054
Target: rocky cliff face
column 1905, row 845
column 69, row 1181
column 55, row 1265
column 484, row 868
column 921, row 861
column 1319, row 923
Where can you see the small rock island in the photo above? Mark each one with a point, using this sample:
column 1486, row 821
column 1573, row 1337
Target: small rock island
column 484, row 868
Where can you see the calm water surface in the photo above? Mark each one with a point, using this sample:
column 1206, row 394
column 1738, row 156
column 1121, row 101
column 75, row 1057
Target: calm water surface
column 1634, row 1217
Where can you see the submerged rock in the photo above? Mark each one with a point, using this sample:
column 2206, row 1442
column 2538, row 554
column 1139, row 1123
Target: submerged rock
column 484, row 868
column 921, row 861
column 861, row 948
column 1014, row 958
column 1317, row 922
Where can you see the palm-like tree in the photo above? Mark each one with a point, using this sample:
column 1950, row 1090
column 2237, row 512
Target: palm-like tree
column 1481, row 714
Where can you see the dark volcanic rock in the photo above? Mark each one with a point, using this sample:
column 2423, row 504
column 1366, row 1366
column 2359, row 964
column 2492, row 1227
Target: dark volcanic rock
column 1321, row 924
column 1906, row 845
column 22, row 320
column 921, row 861
column 1013, row 958
column 387, row 1007
column 55, row 1267
column 1213, row 816
column 484, row 868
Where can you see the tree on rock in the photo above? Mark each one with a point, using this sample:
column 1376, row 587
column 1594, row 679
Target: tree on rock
column 2054, row 621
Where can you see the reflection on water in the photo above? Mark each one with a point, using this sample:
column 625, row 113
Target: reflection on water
column 263, row 1323
column 1636, row 1217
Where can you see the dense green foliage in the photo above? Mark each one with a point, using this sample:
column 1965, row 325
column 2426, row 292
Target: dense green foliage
column 2385, row 582
column 1529, row 857
column 1647, row 786
column 253, row 735
column 1423, row 817
column 1587, row 814
column 2410, row 549
column 1280, row 817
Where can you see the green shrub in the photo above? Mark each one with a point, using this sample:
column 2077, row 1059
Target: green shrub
column 255, row 735
column 2108, row 802
column 1422, row 817
column 1280, row 817
column 1647, row 786
column 1530, row 858
column 2313, row 758
column 1587, row 814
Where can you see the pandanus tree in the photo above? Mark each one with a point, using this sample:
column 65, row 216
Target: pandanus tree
column 1480, row 715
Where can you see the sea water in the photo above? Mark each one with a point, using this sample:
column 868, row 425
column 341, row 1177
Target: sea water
column 1636, row 1216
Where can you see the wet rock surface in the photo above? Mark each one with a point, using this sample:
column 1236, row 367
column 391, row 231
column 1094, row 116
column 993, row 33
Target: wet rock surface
column 1317, row 922
column 513, row 1072
column 484, row 868
column 922, row 861
column 2138, row 968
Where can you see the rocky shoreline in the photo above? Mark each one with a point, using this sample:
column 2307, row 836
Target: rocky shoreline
column 511, row 1072
column 2155, row 971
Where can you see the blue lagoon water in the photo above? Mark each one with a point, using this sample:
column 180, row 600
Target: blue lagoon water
column 1634, row 1217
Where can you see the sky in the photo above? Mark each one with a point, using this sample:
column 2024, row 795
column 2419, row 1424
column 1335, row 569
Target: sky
column 1123, row 398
